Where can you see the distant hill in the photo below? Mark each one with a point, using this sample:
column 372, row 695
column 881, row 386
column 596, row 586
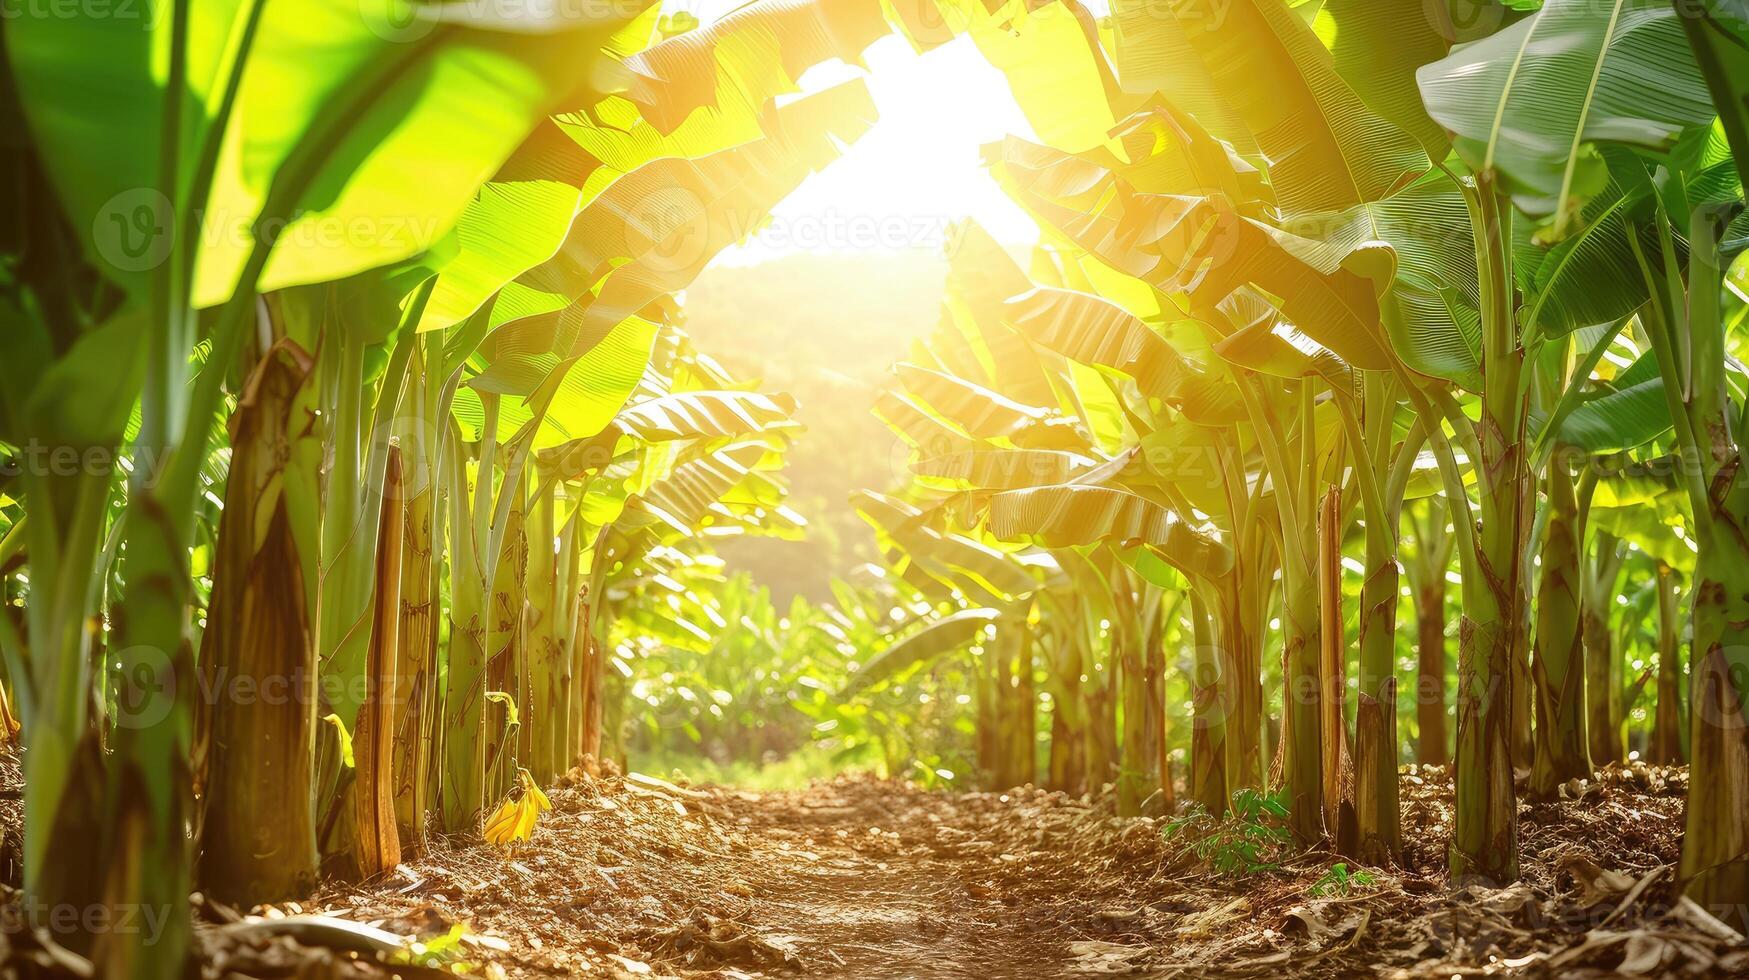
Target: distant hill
column 825, row 328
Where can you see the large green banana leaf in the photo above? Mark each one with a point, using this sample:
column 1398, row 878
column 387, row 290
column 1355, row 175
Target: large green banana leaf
column 327, row 144
column 653, row 230
column 591, row 387
column 91, row 89
column 1532, row 101
column 955, row 560
column 1377, row 45
column 1003, row 469
column 918, row 427
column 718, row 83
column 705, row 415
column 1266, row 342
column 1591, row 276
column 1161, row 151
column 1718, row 31
column 1152, row 54
column 684, row 497
column 1416, row 241
column 749, row 55
column 1074, row 515
column 1660, row 527
column 1327, row 150
column 1320, row 292
column 1433, row 281
column 984, row 414
column 1086, row 328
column 1632, row 411
column 1186, row 460
column 517, row 220
column 936, row 640
column 1059, row 75
column 1208, row 250
column 982, row 277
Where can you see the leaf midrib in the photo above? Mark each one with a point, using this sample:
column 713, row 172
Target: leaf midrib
column 1603, row 49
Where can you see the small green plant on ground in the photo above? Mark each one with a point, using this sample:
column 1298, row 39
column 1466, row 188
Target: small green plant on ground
column 1247, row 841
column 1339, row 881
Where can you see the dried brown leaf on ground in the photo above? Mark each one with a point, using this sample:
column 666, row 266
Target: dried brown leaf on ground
column 859, row 878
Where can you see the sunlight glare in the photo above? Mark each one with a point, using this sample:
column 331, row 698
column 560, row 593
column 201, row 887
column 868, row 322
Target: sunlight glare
column 915, row 173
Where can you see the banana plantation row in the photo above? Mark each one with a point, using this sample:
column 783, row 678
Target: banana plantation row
column 1300, row 270
column 374, row 310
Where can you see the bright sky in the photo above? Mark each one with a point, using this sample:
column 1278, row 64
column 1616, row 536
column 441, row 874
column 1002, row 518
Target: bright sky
column 915, row 172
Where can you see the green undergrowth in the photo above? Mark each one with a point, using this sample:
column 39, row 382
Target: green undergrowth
column 1252, row 838
column 793, row 771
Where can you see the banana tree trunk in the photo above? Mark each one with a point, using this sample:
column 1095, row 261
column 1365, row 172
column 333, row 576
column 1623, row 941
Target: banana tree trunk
column 148, row 859
column 1014, row 720
column 376, row 844
column 506, row 667
column 1238, row 652
column 1135, row 773
column 1602, row 685
column 1523, row 688
column 557, row 729
column 1715, row 850
column 1485, row 829
column 462, row 788
column 1378, row 823
column 1229, row 724
column 1101, row 730
column 1715, row 846
column 1715, row 842
column 1562, row 752
column 1427, row 579
column 1068, row 760
column 613, row 718
column 545, row 639
column 349, row 547
column 986, row 701
column 1332, row 674
column 1158, row 720
column 1484, row 842
column 258, row 653
column 1429, row 676
column 1208, row 727
column 999, row 759
column 145, row 853
column 1301, row 714
column 595, row 666
column 582, row 658
column 1135, row 752
column 1025, row 704
column 1665, row 744
column 416, row 662
column 1430, row 663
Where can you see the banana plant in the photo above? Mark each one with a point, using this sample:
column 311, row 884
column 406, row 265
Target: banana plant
column 1426, row 568
column 987, row 583
column 1493, row 97
column 189, row 229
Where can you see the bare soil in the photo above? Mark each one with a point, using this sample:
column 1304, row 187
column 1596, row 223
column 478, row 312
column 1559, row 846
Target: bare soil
column 859, row 878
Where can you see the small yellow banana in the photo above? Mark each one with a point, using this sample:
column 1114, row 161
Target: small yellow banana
column 515, row 818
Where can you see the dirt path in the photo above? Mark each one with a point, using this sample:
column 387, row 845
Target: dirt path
column 876, row 881
column 883, row 890
column 855, row 878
